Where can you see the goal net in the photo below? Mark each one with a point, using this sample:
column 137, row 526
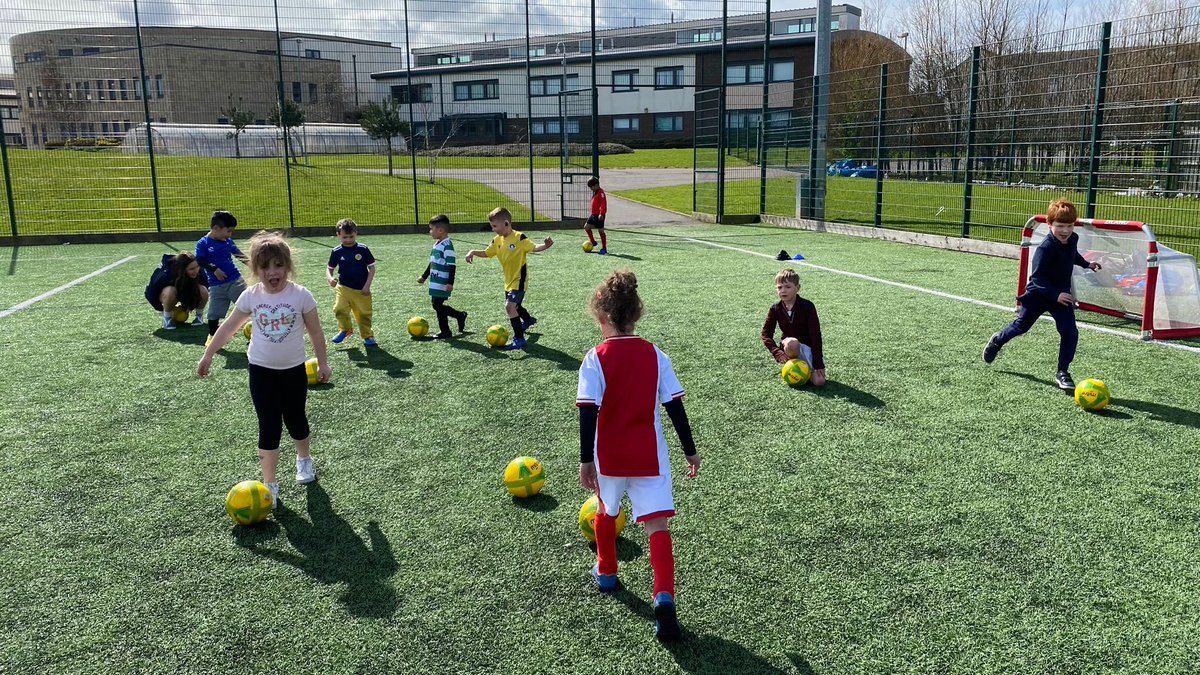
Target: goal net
column 1139, row 279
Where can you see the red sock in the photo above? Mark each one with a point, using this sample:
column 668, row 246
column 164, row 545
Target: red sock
column 603, row 240
column 590, row 237
column 606, row 542
column 662, row 559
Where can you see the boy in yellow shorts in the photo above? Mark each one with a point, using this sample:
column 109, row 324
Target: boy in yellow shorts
column 356, row 271
column 512, row 247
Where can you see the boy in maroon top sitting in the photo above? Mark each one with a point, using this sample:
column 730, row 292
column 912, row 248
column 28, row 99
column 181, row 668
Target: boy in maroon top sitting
column 797, row 320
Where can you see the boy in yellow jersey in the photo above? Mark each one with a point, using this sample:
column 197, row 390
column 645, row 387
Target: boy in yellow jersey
column 512, row 247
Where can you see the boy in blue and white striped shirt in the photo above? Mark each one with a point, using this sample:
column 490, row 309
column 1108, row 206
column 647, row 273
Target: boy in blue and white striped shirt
column 440, row 274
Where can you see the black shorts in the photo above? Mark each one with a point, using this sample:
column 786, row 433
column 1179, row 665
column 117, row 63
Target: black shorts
column 515, row 297
column 596, row 222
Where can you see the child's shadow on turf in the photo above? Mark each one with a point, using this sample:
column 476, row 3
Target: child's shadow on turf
column 182, row 335
column 541, row 503
column 835, row 389
column 622, row 256
column 462, row 342
column 1161, row 412
column 1106, row 412
column 705, row 653
column 378, row 358
column 564, row 360
column 331, row 552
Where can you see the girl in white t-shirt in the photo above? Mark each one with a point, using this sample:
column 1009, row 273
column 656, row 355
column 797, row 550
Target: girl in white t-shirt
column 280, row 311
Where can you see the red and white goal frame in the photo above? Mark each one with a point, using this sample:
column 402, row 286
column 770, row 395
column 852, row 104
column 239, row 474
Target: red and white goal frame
column 1141, row 251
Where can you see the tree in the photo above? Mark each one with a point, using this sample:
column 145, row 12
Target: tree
column 292, row 116
column 382, row 120
column 239, row 118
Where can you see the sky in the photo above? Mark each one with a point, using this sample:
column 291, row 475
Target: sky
column 448, row 22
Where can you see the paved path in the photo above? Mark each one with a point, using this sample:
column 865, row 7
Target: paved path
column 548, row 186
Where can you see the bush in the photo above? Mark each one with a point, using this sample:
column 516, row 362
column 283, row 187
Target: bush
column 522, row 150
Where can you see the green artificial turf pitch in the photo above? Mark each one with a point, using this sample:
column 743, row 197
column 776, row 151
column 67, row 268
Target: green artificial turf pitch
column 922, row 513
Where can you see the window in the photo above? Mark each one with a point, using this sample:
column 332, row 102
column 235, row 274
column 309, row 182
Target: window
column 70, row 94
column 124, row 91
column 447, row 59
column 834, row 25
column 744, row 73
column 312, row 53
column 128, row 126
column 312, row 92
column 692, row 36
column 91, row 50
column 87, row 90
column 103, row 128
column 551, row 85
column 585, row 46
column 779, row 119
column 137, row 90
column 29, row 94
column 741, row 119
column 800, row 26
column 667, row 123
column 519, row 52
column 668, row 78
column 39, row 97
column 624, row 80
column 158, row 85
column 34, row 134
column 421, row 93
column 162, row 120
column 297, row 95
column 261, row 123
column 626, row 125
column 783, row 71
column 553, row 126
column 66, row 52
column 100, row 89
column 476, row 91
column 112, row 90
column 34, row 57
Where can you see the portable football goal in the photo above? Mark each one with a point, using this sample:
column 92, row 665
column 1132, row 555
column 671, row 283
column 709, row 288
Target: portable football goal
column 1139, row 279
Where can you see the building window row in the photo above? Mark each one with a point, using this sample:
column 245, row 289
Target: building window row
column 312, row 53
column 10, row 113
column 668, row 78
column 553, row 126
column 668, row 123
column 684, row 37
column 626, row 125
column 477, row 91
column 624, row 80
column 448, row 59
column 746, row 119
column 752, row 73
column 552, row 85
column 418, row 93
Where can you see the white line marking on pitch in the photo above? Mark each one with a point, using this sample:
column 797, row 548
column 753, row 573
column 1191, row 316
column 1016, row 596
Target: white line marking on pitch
column 18, row 307
column 940, row 294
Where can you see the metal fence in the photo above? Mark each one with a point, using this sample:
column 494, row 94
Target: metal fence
column 127, row 117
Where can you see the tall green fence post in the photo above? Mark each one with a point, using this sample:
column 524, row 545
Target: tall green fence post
column 8, row 191
column 287, row 143
column 969, row 168
column 766, row 100
column 137, row 23
column 1098, row 117
column 529, row 127
column 412, row 120
column 880, row 148
column 721, row 140
column 1012, row 147
column 596, row 106
column 1173, row 149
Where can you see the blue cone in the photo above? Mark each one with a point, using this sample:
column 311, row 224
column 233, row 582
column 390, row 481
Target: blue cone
column 797, row 257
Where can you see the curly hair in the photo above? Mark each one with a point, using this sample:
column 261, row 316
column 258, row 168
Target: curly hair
column 269, row 247
column 617, row 299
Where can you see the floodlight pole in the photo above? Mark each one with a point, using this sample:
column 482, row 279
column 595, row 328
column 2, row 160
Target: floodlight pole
column 304, row 123
column 287, row 164
column 1098, row 117
column 821, row 101
column 412, row 120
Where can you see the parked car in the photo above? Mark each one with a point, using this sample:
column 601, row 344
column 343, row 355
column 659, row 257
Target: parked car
column 851, row 168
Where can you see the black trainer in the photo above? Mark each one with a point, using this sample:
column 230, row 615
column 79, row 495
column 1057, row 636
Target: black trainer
column 1064, row 381
column 991, row 349
column 666, row 625
column 783, row 255
column 462, row 323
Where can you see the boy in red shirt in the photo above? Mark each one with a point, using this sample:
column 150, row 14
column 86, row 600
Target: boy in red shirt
column 621, row 446
column 599, row 210
column 797, row 320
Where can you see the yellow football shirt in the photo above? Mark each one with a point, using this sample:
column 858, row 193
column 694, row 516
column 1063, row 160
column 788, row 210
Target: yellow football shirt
column 511, row 251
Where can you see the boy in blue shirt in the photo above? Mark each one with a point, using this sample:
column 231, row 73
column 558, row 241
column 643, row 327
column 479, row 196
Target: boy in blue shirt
column 1049, row 290
column 216, row 252
column 356, row 271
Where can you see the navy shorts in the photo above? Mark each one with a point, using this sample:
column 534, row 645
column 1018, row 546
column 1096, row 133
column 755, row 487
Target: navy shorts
column 515, row 297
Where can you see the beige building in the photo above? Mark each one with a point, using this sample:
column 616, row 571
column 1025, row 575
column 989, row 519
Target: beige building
column 86, row 82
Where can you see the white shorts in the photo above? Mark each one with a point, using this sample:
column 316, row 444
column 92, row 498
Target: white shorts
column 650, row 495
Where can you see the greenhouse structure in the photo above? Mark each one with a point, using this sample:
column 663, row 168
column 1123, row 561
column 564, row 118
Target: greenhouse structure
column 217, row 140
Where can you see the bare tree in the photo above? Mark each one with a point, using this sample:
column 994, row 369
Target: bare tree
column 449, row 124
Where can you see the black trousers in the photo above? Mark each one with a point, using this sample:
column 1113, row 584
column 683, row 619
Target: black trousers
column 279, row 397
column 444, row 312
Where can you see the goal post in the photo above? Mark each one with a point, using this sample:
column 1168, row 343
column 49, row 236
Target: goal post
column 1139, row 279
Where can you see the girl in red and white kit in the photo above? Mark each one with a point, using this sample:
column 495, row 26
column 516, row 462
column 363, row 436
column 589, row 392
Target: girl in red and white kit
column 621, row 446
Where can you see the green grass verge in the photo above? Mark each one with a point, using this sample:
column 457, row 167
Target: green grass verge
column 674, row 158
column 922, row 513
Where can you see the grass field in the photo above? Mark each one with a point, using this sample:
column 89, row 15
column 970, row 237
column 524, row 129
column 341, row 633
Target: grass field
column 922, row 513
column 671, row 158
column 998, row 213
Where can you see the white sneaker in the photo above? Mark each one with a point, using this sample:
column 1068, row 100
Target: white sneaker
column 305, row 472
column 198, row 321
column 274, row 488
column 168, row 324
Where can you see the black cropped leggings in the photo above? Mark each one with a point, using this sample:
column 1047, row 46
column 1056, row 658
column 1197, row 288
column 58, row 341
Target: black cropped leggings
column 279, row 397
